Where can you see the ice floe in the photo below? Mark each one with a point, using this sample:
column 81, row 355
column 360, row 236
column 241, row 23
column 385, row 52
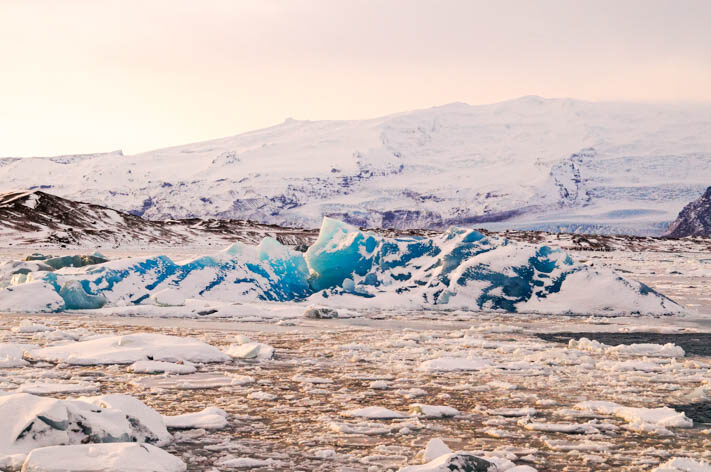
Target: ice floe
column 432, row 411
column 650, row 350
column 374, row 412
column 245, row 348
column 12, row 355
column 49, row 388
column 209, row 418
column 160, row 367
column 247, row 463
column 115, row 457
column 581, row 446
column 130, row 348
column 444, row 364
column 646, row 420
column 27, row 326
column 683, row 464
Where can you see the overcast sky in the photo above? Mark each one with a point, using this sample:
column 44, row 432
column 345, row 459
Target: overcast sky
column 89, row 76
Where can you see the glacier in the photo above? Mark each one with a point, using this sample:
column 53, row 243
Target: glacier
column 459, row 269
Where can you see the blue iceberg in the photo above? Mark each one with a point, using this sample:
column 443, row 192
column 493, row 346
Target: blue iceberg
column 462, row 268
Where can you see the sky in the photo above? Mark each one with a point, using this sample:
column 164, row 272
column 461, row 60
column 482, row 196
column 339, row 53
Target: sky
column 84, row 76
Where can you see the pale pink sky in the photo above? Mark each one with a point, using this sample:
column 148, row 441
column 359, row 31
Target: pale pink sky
column 82, row 76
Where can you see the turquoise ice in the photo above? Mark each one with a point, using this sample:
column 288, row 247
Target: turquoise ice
column 460, row 268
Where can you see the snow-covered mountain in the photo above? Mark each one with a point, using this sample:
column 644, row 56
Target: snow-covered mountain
column 552, row 164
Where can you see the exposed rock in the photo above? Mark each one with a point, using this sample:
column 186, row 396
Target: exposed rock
column 694, row 219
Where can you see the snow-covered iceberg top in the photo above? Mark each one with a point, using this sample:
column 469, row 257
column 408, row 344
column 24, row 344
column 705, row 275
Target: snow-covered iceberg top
column 32, row 421
column 461, row 268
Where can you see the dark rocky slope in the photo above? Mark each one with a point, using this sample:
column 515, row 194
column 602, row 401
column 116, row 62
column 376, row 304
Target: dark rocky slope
column 40, row 218
column 694, row 219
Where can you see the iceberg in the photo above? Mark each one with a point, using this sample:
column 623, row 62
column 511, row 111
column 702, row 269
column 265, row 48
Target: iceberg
column 32, row 421
column 115, row 457
column 459, row 269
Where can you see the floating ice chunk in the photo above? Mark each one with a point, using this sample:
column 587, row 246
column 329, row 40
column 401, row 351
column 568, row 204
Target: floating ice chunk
column 454, row 462
column 131, row 348
column 11, row 354
column 320, row 313
column 159, row 367
column 567, row 428
column 629, row 366
column 22, row 431
column 374, row 412
column 496, row 328
column 585, row 344
column 379, row 385
column 12, row 461
column 245, row 348
column 435, row 448
column 649, row 350
column 499, row 385
column 150, row 421
column 242, row 380
column 698, row 395
column 27, row 326
column 116, row 457
column 264, row 396
column 30, row 422
column 360, row 428
column 598, row 406
column 209, row 418
column 197, row 381
column 652, row 420
column 447, row 364
column 44, row 388
column 683, row 464
column 311, row 380
column 586, row 446
column 247, row 463
column 432, row 411
column 513, row 412
column 664, row 416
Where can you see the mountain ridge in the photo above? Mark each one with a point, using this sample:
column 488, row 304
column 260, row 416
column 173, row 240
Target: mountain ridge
column 528, row 163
